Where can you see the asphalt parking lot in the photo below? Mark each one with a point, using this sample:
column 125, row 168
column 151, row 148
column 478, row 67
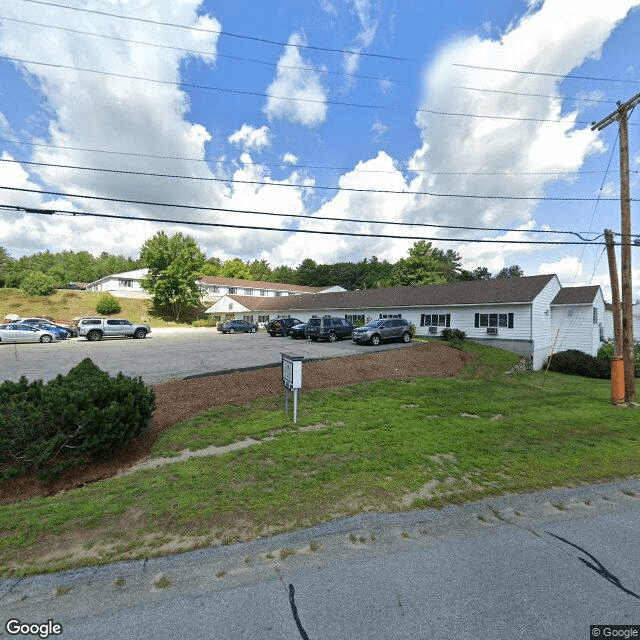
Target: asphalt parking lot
column 168, row 354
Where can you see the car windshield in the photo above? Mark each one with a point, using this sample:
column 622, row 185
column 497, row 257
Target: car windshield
column 373, row 324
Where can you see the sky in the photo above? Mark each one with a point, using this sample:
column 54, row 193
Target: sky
column 335, row 130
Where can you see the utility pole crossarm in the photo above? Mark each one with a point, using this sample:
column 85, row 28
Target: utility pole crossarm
column 620, row 111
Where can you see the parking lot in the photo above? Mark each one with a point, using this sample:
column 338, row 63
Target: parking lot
column 167, row 354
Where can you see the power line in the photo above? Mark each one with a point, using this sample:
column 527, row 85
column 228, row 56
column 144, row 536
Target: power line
column 535, row 95
column 199, row 52
column 192, row 85
column 288, row 165
column 216, row 31
column 266, row 95
column 296, row 185
column 465, row 196
column 285, row 230
column 540, row 73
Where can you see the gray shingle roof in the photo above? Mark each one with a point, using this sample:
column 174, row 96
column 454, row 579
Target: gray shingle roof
column 576, row 295
column 512, row 290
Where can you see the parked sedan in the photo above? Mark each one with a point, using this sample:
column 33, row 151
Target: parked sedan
column 236, row 326
column 297, row 331
column 25, row 333
column 45, row 323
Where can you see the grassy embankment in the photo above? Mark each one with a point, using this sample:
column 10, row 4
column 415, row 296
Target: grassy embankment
column 388, row 445
column 65, row 305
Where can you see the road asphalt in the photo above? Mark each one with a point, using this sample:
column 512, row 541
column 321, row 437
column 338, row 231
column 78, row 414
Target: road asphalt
column 544, row 565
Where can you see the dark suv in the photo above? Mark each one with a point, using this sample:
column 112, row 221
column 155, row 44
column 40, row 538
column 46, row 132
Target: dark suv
column 281, row 326
column 328, row 328
column 378, row 331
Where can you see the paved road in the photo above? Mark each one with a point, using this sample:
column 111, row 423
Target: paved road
column 536, row 567
column 166, row 354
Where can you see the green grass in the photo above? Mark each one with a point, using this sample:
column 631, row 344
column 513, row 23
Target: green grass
column 64, row 306
column 368, row 446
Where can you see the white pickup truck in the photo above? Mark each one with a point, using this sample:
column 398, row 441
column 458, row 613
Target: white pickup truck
column 97, row 328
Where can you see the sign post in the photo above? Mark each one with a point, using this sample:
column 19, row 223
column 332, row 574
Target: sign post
column 292, row 381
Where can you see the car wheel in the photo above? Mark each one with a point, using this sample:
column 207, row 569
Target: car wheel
column 46, row 338
column 253, row 329
column 139, row 334
column 272, row 334
column 375, row 339
column 94, row 336
column 406, row 337
column 232, row 330
column 313, row 339
column 332, row 337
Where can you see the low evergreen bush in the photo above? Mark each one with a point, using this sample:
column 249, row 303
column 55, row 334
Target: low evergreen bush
column 580, row 364
column 69, row 421
column 454, row 337
column 38, row 284
column 107, row 304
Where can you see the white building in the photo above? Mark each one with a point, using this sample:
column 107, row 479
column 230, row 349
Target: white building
column 531, row 316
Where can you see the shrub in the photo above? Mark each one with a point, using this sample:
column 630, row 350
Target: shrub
column 38, row 284
column 579, row 363
column 71, row 420
column 107, row 304
column 454, row 337
column 606, row 352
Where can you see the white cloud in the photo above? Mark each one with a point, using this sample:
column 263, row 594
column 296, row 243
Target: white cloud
column 496, row 156
column 367, row 12
column 296, row 94
column 568, row 269
column 379, row 129
column 251, row 138
column 289, row 158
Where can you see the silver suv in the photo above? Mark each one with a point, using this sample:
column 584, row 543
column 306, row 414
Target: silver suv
column 384, row 329
column 97, row 328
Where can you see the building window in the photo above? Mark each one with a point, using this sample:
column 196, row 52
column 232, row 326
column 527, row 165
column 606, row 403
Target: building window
column 279, row 293
column 214, row 289
column 247, row 318
column 390, row 315
column 126, row 283
column 231, row 306
column 494, row 320
column 595, row 315
column 262, row 292
column 233, row 290
column 262, row 319
column 355, row 319
column 435, row 320
column 248, row 292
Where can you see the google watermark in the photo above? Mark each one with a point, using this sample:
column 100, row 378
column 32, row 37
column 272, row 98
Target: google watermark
column 46, row 629
column 614, row 631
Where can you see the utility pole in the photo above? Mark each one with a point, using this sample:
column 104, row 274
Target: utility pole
column 615, row 294
column 621, row 114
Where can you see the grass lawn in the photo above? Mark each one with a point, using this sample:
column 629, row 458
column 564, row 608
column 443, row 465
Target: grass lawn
column 384, row 446
column 65, row 305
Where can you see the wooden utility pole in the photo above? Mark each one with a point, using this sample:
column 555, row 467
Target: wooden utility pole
column 615, row 294
column 621, row 115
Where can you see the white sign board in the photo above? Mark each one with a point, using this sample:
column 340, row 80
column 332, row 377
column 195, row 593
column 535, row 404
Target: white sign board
column 292, row 371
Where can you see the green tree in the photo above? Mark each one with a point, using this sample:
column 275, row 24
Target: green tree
column 284, row 274
column 174, row 264
column 260, row 270
column 38, row 284
column 514, row 271
column 107, row 304
column 211, row 267
column 425, row 265
column 5, row 262
column 235, row 268
column 479, row 273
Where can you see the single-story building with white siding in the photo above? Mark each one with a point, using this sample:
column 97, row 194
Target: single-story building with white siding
column 526, row 315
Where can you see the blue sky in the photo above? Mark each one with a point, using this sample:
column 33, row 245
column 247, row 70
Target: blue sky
column 325, row 109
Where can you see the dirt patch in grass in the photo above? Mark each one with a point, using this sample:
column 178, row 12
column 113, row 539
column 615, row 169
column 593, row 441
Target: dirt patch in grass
column 182, row 399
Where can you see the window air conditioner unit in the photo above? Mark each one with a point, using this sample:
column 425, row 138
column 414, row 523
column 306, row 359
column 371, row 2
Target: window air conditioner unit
column 492, row 331
column 433, row 329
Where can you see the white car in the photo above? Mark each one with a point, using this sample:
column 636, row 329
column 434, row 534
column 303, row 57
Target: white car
column 25, row 333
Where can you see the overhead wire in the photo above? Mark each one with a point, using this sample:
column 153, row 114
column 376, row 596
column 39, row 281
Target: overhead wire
column 42, row 211
column 217, row 54
column 220, row 32
column 297, row 185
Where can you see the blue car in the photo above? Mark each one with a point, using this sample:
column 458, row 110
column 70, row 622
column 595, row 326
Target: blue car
column 45, row 325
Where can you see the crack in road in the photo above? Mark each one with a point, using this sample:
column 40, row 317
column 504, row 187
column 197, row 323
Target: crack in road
column 296, row 617
column 598, row 567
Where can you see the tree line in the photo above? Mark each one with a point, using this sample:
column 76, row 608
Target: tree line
column 175, row 263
